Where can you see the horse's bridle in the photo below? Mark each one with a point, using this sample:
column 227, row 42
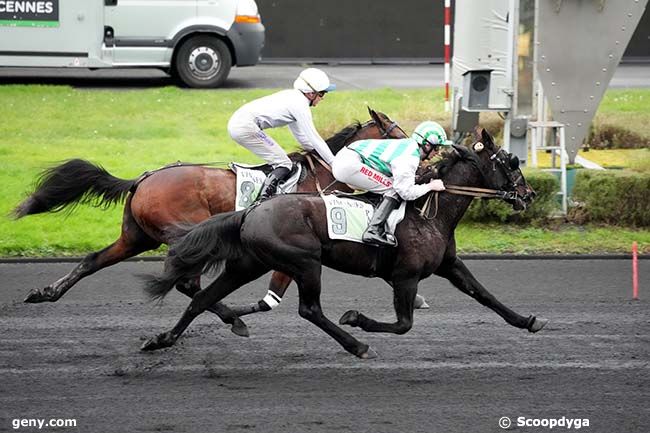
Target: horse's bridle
column 387, row 131
column 507, row 169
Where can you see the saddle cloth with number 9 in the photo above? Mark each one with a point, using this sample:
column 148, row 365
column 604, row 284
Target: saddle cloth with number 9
column 348, row 218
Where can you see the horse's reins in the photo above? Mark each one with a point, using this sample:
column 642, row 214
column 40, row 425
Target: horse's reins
column 313, row 170
column 460, row 190
column 470, row 191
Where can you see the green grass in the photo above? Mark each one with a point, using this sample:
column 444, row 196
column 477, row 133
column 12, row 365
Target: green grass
column 131, row 131
column 564, row 239
column 633, row 159
column 628, row 108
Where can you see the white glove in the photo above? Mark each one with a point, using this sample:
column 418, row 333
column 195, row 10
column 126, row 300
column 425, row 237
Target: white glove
column 436, row 185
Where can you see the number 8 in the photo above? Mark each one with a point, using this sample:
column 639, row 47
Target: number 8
column 247, row 188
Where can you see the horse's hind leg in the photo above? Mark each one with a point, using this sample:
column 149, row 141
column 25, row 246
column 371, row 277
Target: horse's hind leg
column 236, row 274
column 277, row 288
column 191, row 286
column 132, row 242
column 404, row 295
column 458, row 274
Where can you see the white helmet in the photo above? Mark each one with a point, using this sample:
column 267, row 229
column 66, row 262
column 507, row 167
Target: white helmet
column 313, row 80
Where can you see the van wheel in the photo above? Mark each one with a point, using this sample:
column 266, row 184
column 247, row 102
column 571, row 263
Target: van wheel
column 203, row 61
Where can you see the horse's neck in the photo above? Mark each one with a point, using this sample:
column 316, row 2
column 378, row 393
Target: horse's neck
column 452, row 207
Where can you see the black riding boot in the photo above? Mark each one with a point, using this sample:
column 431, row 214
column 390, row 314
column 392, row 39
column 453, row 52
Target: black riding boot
column 376, row 233
column 271, row 183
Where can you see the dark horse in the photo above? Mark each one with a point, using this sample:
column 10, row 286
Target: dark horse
column 160, row 199
column 289, row 233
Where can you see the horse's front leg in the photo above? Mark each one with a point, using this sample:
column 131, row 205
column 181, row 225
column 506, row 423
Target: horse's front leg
column 458, row 274
column 404, row 295
column 277, row 288
column 309, row 288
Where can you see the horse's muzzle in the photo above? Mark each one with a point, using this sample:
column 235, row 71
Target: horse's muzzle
column 520, row 199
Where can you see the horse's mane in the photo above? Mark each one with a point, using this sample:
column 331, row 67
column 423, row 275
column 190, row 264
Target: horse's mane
column 339, row 139
column 335, row 143
column 438, row 169
column 451, row 158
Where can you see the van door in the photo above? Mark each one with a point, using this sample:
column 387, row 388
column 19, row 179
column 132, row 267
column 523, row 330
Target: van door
column 141, row 29
column 50, row 32
column 220, row 13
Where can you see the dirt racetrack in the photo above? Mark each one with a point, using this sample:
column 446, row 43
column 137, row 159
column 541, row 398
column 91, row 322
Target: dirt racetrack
column 460, row 369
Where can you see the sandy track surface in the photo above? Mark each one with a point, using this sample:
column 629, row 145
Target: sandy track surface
column 459, row 369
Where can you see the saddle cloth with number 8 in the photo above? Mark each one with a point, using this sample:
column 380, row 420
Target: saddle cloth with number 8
column 251, row 178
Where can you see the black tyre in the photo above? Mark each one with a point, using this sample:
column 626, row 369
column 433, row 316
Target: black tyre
column 203, row 61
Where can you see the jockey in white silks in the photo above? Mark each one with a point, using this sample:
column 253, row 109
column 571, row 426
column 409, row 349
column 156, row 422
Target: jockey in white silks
column 388, row 167
column 286, row 107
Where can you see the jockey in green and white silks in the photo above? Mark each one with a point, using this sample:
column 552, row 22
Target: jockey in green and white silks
column 388, row 167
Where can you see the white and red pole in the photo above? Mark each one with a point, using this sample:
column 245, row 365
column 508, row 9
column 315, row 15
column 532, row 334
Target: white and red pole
column 635, row 271
column 447, row 51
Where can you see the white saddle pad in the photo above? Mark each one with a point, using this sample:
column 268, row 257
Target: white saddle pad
column 250, row 180
column 347, row 218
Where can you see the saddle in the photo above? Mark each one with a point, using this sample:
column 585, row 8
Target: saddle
column 371, row 198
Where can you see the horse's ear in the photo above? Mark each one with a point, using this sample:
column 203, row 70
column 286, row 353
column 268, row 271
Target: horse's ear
column 486, row 138
column 375, row 116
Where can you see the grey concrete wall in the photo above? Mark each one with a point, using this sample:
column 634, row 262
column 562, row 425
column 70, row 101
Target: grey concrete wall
column 373, row 30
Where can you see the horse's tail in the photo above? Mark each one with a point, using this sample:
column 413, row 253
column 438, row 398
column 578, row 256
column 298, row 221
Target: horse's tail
column 203, row 247
column 73, row 182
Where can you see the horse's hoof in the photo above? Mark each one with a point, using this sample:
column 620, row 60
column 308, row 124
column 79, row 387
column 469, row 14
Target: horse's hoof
column 158, row 342
column 240, row 328
column 35, row 296
column 536, row 324
column 368, row 354
column 349, row 318
column 420, row 303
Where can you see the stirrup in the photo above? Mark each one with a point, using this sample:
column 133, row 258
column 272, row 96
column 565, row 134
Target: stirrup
column 372, row 238
column 263, row 196
column 271, row 184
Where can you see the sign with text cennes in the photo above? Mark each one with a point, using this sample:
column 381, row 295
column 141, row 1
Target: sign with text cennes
column 29, row 13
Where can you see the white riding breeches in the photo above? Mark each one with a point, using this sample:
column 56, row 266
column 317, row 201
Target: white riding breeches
column 348, row 167
column 245, row 131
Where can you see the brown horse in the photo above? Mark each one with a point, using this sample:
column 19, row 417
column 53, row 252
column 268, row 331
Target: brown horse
column 186, row 193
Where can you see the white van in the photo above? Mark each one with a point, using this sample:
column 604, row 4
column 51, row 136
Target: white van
column 195, row 40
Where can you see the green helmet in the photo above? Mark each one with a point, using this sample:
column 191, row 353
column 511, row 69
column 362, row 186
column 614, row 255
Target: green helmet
column 432, row 133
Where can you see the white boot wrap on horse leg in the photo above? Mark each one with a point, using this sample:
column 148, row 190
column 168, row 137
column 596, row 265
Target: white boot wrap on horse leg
column 271, row 299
